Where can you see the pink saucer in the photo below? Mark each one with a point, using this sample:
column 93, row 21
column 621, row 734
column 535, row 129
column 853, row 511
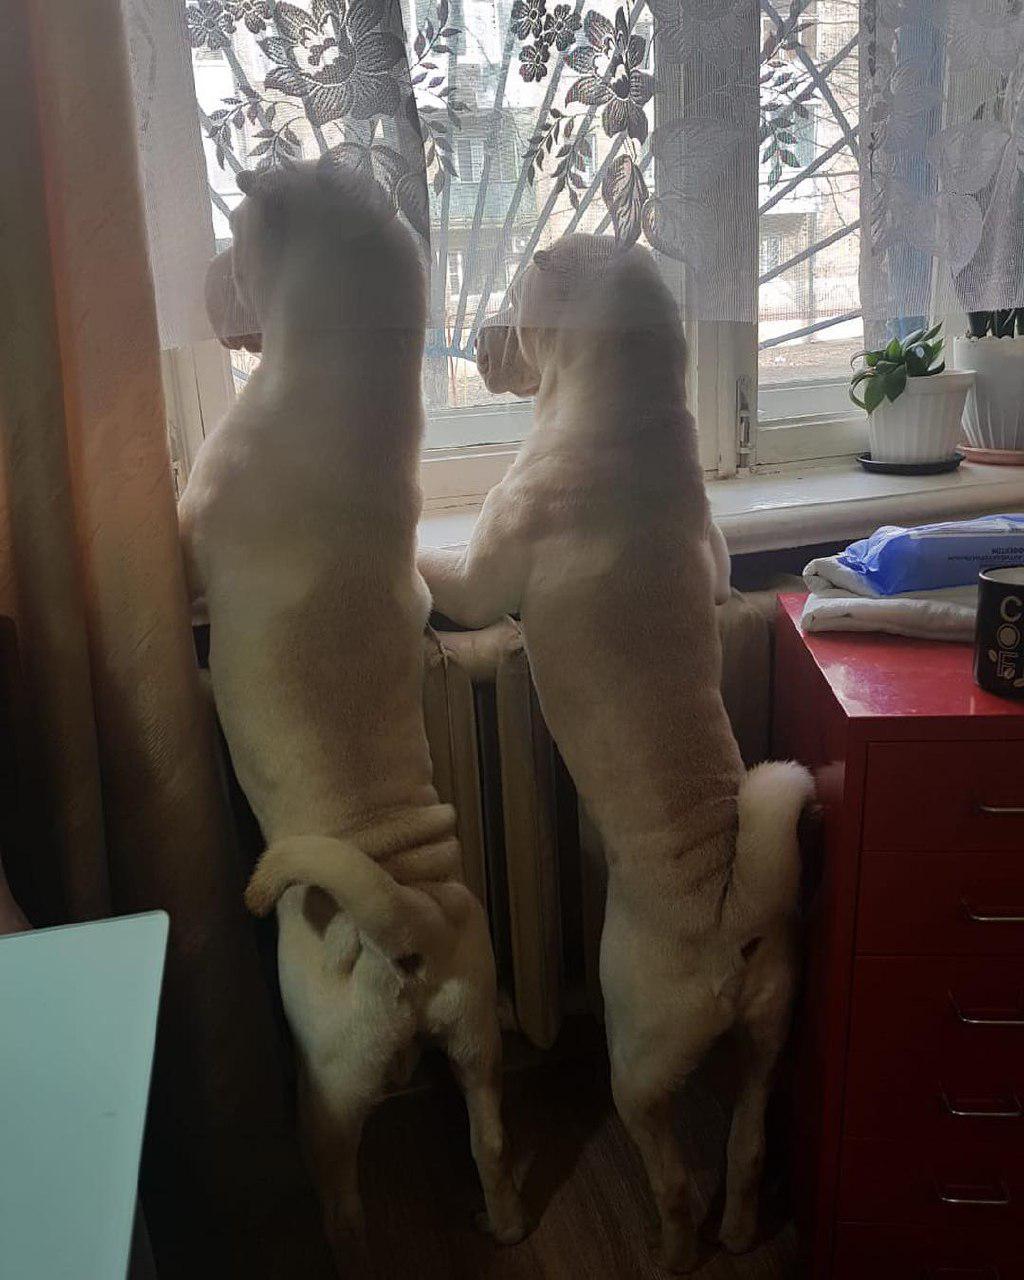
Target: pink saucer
column 1002, row 457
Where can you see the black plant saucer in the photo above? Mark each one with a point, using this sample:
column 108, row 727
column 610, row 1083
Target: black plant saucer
column 911, row 468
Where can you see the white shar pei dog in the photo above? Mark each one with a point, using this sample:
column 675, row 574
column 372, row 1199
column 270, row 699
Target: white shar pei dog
column 299, row 525
column 600, row 538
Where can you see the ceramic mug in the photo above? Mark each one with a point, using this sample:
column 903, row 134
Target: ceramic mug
column 999, row 637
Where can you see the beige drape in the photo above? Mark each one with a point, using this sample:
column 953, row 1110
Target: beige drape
column 127, row 812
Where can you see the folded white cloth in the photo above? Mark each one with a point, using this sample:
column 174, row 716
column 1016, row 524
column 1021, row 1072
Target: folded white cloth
column 840, row 600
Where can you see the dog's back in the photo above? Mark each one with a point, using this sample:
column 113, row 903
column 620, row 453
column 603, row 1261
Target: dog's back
column 618, row 605
column 300, row 517
column 618, row 609
column 300, row 527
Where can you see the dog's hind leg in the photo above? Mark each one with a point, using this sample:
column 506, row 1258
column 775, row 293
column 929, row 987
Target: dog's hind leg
column 646, row 1109
column 653, row 1048
column 464, row 1019
column 332, row 1127
column 476, row 1060
column 764, row 1021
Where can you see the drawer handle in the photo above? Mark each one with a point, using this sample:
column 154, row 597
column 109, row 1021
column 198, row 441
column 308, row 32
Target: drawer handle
column 1000, row 810
column 1001, row 1109
column 980, row 917
column 995, row 1197
column 984, row 1019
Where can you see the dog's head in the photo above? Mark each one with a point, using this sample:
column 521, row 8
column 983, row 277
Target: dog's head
column 241, row 279
column 583, row 283
column 513, row 346
column 311, row 213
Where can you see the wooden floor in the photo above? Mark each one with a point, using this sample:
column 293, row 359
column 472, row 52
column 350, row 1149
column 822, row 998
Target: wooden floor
column 582, row 1179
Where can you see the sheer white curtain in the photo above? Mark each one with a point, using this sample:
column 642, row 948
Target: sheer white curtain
column 496, row 126
column 172, row 166
column 942, row 126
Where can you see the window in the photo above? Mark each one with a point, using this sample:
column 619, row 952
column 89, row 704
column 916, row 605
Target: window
column 785, row 376
column 809, row 316
column 771, row 251
column 455, row 271
column 508, row 161
column 468, row 151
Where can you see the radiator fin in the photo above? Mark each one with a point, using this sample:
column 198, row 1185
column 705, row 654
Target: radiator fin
column 450, row 714
column 527, row 783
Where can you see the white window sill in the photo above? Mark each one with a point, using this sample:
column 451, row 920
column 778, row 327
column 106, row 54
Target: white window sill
column 799, row 506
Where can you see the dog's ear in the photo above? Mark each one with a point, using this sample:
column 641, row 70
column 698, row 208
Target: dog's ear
column 265, row 188
column 261, row 184
column 330, row 176
column 542, row 259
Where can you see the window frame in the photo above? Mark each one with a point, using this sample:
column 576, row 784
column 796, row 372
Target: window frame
column 741, row 426
column 801, row 420
column 200, row 389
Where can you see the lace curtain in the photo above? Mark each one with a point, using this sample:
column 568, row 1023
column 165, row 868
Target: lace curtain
column 942, row 156
column 496, row 126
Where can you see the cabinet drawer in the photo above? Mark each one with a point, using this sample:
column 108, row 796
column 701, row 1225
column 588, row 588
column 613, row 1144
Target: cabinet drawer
column 941, row 903
column 907, row 1253
column 936, row 1047
column 977, row 1188
column 944, row 795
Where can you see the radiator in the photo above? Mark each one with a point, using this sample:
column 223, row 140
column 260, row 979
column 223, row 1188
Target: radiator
column 530, row 853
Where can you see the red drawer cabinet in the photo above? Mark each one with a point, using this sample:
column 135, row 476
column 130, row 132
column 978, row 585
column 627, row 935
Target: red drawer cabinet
column 963, row 904
column 943, row 795
column 892, row 1253
column 908, row 1090
column 919, row 1057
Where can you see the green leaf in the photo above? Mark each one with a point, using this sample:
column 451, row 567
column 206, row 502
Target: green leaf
column 932, row 333
column 913, row 339
column 853, row 388
column 896, row 383
column 874, row 394
column 894, row 350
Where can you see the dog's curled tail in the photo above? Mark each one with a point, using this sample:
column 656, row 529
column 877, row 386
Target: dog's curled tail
column 400, row 921
column 766, row 870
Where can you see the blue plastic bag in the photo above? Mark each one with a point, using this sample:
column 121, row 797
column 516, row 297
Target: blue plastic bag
column 893, row 559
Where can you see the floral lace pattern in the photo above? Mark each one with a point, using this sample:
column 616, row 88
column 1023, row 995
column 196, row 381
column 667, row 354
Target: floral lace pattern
column 339, row 63
column 576, row 85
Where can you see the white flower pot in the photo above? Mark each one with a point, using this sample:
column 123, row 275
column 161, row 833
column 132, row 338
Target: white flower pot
column 994, row 417
column 923, row 424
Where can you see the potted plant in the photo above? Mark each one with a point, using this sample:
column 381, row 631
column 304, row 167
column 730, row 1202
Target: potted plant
column 914, row 404
column 994, row 417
